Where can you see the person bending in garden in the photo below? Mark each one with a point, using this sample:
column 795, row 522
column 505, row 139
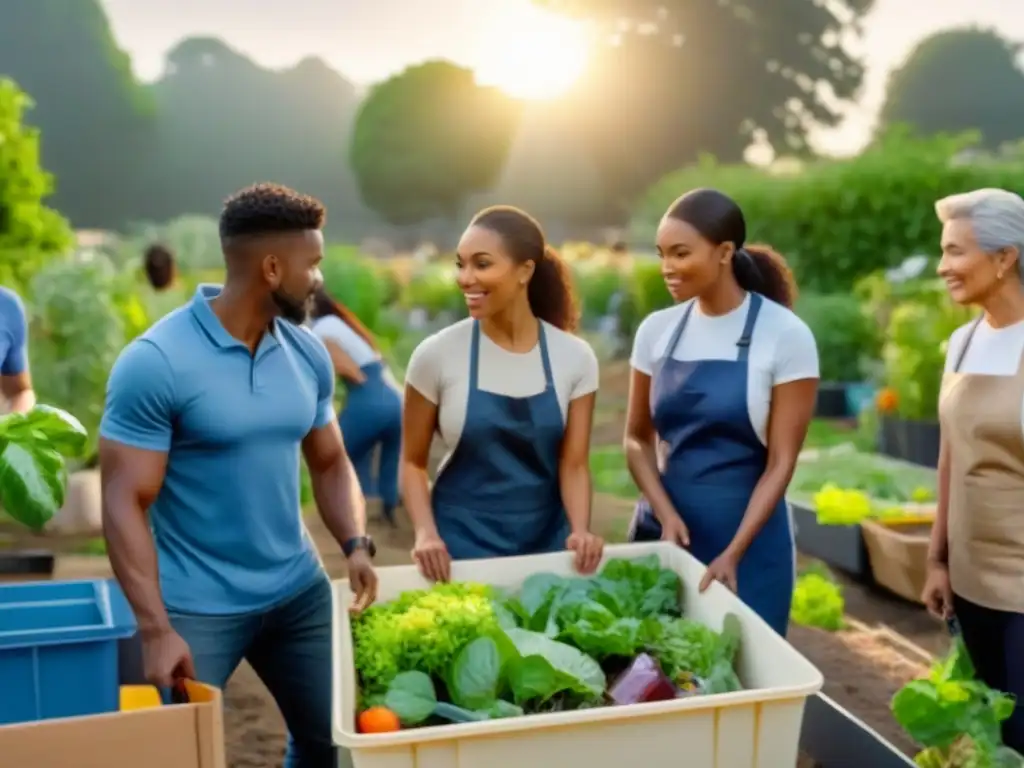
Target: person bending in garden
column 372, row 416
column 727, row 379
column 15, row 379
column 976, row 558
column 205, row 415
column 511, row 391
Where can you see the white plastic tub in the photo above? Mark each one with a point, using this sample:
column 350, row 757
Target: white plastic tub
column 758, row 728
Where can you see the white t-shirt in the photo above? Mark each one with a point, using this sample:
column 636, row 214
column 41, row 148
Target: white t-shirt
column 992, row 352
column 782, row 348
column 333, row 328
column 439, row 370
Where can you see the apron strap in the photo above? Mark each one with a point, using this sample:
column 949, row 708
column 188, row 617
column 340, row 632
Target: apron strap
column 967, row 343
column 677, row 334
column 748, row 328
column 549, row 377
column 474, row 357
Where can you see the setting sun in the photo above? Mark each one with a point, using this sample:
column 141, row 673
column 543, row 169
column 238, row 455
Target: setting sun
column 531, row 53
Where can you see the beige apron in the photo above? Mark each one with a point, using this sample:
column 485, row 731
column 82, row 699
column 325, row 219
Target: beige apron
column 981, row 421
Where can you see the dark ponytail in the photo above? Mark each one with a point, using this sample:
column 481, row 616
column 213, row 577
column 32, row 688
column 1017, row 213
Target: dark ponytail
column 718, row 219
column 550, row 291
column 761, row 269
column 158, row 263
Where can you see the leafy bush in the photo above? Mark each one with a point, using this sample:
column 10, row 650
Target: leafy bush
column 77, row 327
column 30, row 233
column 355, row 281
column 646, row 292
column 846, row 334
column 839, row 220
column 433, row 289
column 596, row 285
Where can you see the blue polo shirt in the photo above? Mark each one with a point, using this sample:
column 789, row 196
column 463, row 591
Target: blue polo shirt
column 227, row 522
column 13, row 334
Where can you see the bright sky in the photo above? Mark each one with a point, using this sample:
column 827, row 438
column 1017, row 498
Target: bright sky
column 367, row 40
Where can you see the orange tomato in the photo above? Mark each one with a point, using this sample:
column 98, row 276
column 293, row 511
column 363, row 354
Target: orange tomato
column 887, row 401
column 378, row 720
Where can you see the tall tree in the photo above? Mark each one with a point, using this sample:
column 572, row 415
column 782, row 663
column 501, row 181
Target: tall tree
column 958, row 80
column 428, row 138
column 97, row 121
column 30, row 233
column 676, row 78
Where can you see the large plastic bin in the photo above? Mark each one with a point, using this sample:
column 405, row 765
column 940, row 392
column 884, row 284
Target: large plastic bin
column 58, row 648
column 755, row 728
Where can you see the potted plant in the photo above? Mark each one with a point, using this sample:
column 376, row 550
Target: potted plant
column 847, row 338
column 34, row 447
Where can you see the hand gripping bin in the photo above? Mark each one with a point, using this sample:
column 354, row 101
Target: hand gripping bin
column 754, row 728
column 58, row 648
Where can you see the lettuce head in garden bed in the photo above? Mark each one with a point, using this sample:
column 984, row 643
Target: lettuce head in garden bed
column 33, row 473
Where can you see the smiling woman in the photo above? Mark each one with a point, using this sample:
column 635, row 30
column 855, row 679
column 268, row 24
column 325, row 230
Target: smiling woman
column 531, row 53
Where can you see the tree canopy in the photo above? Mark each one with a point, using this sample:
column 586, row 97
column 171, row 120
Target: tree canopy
column 958, row 80
column 428, row 138
column 682, row 77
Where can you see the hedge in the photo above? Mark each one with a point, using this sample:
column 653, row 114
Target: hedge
column 839, row 220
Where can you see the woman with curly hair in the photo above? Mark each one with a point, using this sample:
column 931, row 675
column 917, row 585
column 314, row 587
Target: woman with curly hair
column 726, row 379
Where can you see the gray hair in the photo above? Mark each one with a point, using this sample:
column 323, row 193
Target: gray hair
column 996, row 217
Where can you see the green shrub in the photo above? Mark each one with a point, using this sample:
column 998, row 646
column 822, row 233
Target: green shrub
column 433, row 289
column 595, row 286
column 646, row 293
column 838, row 220
column 355, row 281
column 846, row 334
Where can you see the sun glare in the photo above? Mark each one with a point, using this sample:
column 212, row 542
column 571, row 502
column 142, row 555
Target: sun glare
column 531, row 53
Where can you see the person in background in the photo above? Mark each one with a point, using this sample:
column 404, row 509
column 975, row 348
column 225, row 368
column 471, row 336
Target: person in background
column 372, row 416
column 976, row 557
column 206, row 415
column 727, row 379
column 15, row 379
column 511, row 391
column 158, row 263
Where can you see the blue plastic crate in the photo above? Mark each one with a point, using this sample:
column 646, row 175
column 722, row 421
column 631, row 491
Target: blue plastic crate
column 58, row 648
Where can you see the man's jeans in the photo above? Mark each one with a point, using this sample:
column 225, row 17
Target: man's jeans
column 289, row 647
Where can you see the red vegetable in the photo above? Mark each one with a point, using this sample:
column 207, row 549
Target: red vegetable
column 642, row 681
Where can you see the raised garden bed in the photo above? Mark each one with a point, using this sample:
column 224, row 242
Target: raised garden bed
column 910, row 440
column 830, row 735
column 828, row 522
column 899, row 556
column 26, row 565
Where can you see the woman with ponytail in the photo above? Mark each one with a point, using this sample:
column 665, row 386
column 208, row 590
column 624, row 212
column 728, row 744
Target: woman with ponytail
column 511, row 392
column 372, row 417
column 727, row 380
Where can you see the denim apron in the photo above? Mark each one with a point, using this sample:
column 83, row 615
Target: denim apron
column 499, row 493
column 713, row 460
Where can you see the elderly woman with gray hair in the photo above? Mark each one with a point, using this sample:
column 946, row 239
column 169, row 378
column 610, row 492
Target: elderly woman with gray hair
column 976, row 558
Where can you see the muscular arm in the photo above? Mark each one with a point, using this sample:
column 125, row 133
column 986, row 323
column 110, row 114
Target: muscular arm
column 135, row 437
column 938, row 548
column 131, row 479
column 791, row 411
column 640, row 445
column 339, row 499
column 419, row 422
column 18, row 392
column 574, row 463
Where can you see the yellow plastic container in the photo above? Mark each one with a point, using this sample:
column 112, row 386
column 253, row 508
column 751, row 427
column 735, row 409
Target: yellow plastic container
column 135, row 697
column 754, row 728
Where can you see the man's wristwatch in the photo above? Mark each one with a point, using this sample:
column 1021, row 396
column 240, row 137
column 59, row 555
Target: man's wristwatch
column 359, row 542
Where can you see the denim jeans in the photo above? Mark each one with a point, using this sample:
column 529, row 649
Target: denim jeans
column 289, row 647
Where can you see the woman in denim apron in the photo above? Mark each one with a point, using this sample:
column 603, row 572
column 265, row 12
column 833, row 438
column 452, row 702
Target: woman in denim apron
column 372, row 416
column 513, row 389
column 726, row 380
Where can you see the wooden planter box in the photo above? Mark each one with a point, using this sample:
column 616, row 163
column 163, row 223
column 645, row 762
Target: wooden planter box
column 841, row 546
column 834, row 738
column 899, row 556
column 914, row 441
column 26, row 565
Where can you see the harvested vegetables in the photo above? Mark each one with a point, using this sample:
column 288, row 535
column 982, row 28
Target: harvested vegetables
column 818, row 601
column 461, row 652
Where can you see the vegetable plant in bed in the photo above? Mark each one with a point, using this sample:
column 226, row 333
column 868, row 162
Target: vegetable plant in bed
column 463, row 652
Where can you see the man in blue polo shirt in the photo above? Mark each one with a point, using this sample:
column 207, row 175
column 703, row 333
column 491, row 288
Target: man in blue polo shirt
column 204, row 419
column 15, row 381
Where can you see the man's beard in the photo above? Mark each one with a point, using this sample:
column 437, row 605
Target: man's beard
column 291, row 309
